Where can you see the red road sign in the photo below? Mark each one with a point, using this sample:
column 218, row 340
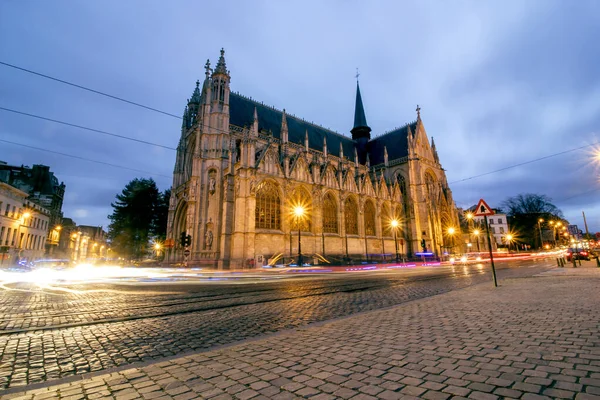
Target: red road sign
column 483, row 209
column 186, row 252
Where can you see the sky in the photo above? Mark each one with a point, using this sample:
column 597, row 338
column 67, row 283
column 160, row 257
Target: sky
column 499, row 83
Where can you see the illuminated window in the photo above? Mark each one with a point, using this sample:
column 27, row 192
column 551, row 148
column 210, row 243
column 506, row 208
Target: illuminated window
column 369, row 219
column 351, row 216
column 268, row 206
column 330, row 223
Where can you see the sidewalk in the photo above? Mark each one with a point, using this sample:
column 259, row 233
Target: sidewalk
column 530, row 338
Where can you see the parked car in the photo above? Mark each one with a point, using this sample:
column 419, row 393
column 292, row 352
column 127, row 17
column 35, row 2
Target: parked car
column 577, row 254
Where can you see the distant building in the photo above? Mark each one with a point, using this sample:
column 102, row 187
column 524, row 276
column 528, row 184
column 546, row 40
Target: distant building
column 40, row 184
column 23, row 226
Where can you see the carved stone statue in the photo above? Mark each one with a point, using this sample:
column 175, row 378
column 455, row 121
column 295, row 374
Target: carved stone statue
column 208, row 240
column 211, row 185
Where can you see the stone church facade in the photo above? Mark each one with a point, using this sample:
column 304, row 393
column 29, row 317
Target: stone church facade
column 242, row 168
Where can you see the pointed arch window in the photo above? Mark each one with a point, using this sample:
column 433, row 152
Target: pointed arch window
column 330, row 221
column 351, row 216
column 268, row 206
column 369, row 219
column 386, row 221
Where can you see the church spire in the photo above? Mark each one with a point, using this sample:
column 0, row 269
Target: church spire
column 284, row 128
column 196, row 95
column 360, row 120
column 361, row 133
column 221, row 68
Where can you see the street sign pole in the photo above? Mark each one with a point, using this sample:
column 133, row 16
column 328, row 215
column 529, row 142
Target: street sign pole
column 487, row 230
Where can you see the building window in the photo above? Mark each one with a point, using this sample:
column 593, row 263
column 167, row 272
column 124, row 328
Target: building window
column 7, row 210
column 501, row 229
column 369, row 219
column 268, row 206
column 491, row 221
column 351, row 216
column 493, row 229
column 499, row 220
column 386, row 221
column 2, row 235
column 330, row 221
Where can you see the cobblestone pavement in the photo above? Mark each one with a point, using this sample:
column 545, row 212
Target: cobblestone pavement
column 39, row 356
column 535, row 338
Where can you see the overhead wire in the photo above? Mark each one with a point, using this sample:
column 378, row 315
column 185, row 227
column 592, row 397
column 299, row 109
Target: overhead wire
column 83, row 158
column 221, row 130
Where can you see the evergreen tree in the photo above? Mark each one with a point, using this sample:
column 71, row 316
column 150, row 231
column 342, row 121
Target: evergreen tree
column 134, row 218
column 162, row 212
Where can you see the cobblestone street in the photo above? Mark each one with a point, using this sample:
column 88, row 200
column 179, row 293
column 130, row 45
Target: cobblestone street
column 531, row 338
column 226, row 315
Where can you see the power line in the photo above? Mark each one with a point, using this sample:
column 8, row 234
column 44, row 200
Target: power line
column 89, row 89
column 525, row 163
column 221, row 130
column 87, row 128
column 83, row 158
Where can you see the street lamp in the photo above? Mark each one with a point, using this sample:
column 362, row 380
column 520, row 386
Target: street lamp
column 395, row 224
column 540, row 230
column 509, row 239
column 299, row 213
column 157, row 247
column 451, row 232
column 476, row 233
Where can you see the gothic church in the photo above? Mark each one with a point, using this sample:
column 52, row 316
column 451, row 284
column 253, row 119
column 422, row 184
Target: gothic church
column 243, row 168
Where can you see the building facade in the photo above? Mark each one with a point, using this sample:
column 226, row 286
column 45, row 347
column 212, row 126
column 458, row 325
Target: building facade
column 244, row 169
column 23, row 226
column 498, row 224
column 43, row 188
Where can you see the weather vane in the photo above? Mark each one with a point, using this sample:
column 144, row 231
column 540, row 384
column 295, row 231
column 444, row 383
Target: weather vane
column 357, row 74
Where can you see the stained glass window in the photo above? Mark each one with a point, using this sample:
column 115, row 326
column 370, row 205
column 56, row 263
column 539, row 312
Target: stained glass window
column 386, row 219
column 330, row 223
column 351, row 216
column 268, row 206
column 369, row 219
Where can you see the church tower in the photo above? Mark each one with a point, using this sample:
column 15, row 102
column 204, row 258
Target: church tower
column 361, row 133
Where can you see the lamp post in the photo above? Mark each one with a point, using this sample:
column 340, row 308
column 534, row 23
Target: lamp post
column 451, row 232
column 24, row 217
column 540, row 230
column 299, row 213
column 469, row 216
column 476, row 233
column 395, row 224
column 509, row 239
column 157, row 249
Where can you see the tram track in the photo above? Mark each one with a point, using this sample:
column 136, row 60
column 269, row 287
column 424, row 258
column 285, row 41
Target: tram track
column 190, row 304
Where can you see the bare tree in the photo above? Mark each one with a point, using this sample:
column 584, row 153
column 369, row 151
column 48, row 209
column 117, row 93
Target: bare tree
column 530, row 203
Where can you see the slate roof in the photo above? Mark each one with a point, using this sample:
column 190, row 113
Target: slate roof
column 396, row 142
column 241, row 113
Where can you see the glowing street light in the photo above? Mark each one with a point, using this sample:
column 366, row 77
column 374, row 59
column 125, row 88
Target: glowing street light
column 509, row 239
column 540, row 230
column 451, row 232
column 476, row 233
column 299, row 213
column 394, row 223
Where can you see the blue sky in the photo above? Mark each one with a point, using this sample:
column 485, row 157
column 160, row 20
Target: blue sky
column 499, row 83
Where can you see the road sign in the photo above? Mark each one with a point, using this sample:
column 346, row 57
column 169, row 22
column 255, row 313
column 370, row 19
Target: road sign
column 186, row 252
column 482, row 209
column 169, row 243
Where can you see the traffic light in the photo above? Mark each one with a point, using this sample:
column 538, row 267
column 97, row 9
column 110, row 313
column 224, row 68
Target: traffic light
column 185, row 240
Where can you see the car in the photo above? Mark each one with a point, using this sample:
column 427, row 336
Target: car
column 577, row 254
